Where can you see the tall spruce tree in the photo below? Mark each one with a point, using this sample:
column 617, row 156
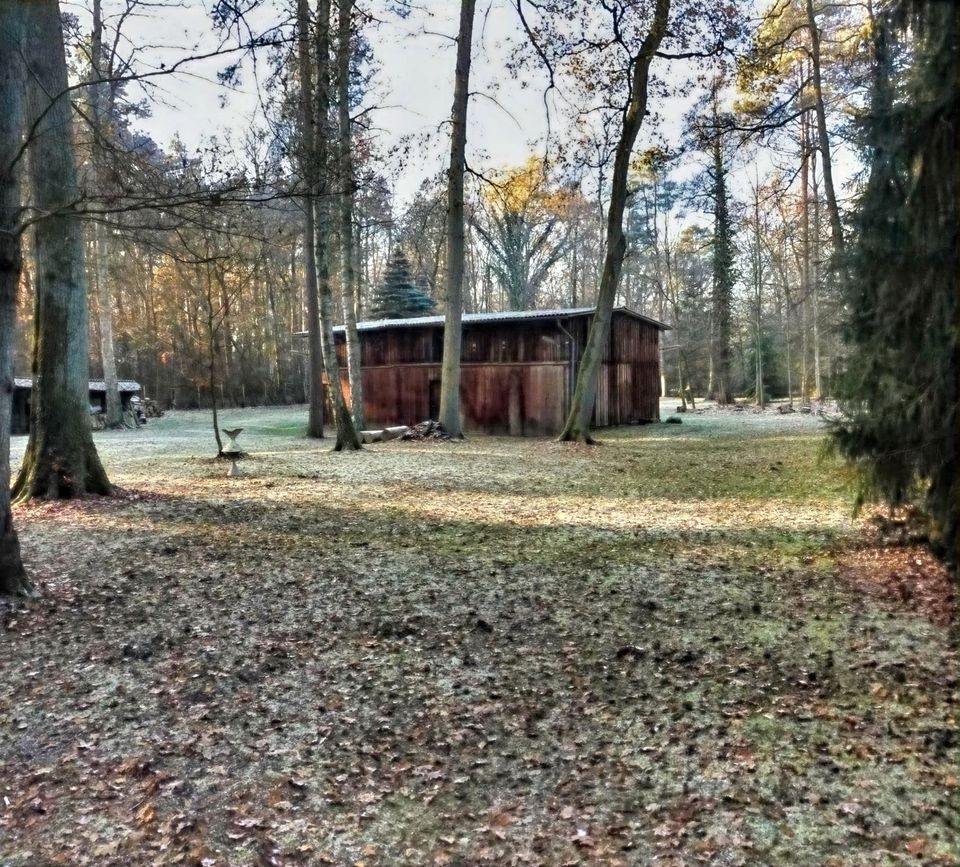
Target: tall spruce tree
column 899, row 391
column 398, row 296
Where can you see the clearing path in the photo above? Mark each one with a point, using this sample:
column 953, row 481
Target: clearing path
column 502, row 651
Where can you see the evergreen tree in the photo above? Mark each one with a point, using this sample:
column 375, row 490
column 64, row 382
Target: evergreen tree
column 900, row 388
column 398, row 296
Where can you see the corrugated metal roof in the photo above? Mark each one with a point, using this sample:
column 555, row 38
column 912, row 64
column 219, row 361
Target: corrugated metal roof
column 122, row 385
column 94, row 384
column 492, row 318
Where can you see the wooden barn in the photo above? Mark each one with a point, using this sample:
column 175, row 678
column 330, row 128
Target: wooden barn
column 23, row 388
column 518, row 373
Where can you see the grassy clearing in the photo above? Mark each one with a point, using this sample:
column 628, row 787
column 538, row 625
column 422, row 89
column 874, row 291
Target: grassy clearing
column 500, row 651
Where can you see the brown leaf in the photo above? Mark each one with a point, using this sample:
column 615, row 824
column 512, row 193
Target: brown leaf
column 916, row 846
column 146, row 814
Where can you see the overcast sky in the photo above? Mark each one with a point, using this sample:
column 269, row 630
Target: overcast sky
column 413, row 88
column 414, row 85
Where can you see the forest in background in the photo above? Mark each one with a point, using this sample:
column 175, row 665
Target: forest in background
column 681, row 647
column 777, row 184
column 196, row 257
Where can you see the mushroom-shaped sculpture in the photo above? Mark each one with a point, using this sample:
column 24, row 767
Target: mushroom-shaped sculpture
column 232, row 435
column 232, row 450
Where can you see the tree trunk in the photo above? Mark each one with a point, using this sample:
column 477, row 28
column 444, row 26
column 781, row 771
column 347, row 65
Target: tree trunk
column 308, row 169
column 788, row 338
column 212, row 358
column 13, row 577
column 347, row 242
column 815, row 283
column 805, row 247
column 663, row 281
column 113, row 418
column 758, row 288
column 722, row 268
column 346, row 432
column 101, row 113
column 836, row 227
column 453, row 328
column 577, row 427
column 61, row 460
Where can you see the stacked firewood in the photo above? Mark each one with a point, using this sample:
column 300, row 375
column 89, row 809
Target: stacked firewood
column 426, row 430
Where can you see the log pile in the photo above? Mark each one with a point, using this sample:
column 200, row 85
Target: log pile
column 382, row 436
column 426, row 430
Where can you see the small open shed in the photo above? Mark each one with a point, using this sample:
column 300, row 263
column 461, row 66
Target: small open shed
column 23, row 389
column 519, row 369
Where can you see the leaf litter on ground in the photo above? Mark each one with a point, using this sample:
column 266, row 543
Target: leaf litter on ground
column 663, row 650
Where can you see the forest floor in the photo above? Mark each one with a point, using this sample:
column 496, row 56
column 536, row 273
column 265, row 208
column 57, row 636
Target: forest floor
column 677, row 648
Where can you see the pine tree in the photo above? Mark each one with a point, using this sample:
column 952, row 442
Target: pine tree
column 398, row 296
column 899, row 392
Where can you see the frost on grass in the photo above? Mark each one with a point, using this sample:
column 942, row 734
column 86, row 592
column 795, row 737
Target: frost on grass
column 498, row 651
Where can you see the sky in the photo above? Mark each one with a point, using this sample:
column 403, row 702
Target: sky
column 414, row 87
column 412, row 90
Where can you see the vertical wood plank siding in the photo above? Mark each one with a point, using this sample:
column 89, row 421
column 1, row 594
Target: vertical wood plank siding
column 516, row 376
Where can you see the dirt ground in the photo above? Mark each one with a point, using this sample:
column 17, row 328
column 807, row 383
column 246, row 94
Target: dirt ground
column 672, row 649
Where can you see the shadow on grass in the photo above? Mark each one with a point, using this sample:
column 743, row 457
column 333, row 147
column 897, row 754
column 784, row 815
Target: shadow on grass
column 501, row 543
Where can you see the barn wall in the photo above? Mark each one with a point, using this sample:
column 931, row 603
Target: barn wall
column 520, row 399
column 629, row 388
column 507, row 343
column 395, row 394
column 515, row 375
column 524, row 400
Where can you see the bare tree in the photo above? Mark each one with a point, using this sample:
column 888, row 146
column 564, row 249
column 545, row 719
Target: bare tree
column 61, row 459
column 823, row 138
column 348, row 277
column 100, row 100
column 323, row 224
column 453, row 329
column 13, row 577
column 308, row 168
column 577, row 426
column 521, row 223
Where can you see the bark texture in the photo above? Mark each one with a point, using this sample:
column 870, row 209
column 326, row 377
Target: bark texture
column 61, row 460
column 308, row 169
column 723, row 275
column 453, row 321
column 13, row 577
column 577, row 427
column 346, row 432
column 823, row 139
column 348, row 275
column 101, row 113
